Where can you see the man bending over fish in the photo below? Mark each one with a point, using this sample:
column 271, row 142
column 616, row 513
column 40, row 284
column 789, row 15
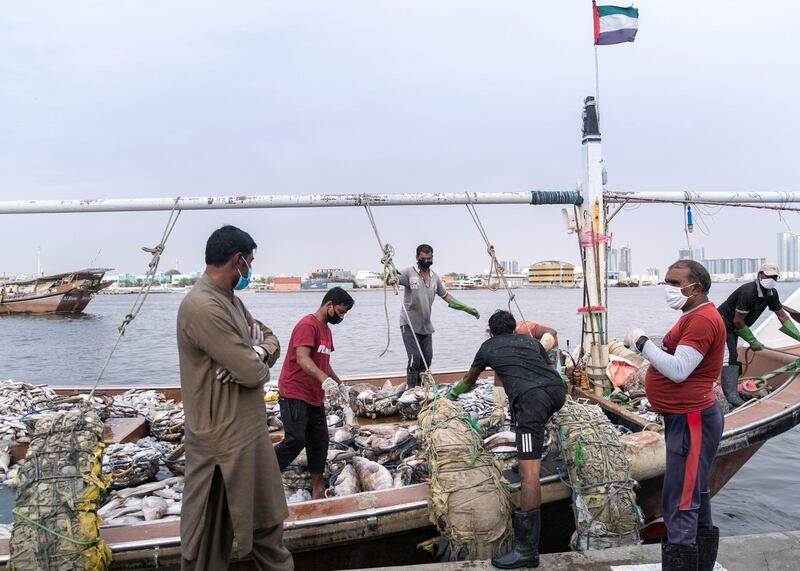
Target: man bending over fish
column 523, row 373
column 306, row 378
column 233, row 494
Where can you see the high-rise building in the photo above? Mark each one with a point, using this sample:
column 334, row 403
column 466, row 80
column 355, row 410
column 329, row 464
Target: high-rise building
column 510, row 266
column 788, row 252
column 692, row 254
column 654, row 272
column 613, row 260
column 625, row 261
column 737, row 267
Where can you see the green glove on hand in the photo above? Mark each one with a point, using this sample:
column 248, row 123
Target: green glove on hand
column 748, row 336
column 455, row 304
column 458, row 389
column 790, row 329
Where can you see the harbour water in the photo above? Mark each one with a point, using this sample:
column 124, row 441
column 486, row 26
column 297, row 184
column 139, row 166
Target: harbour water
column 69, row 351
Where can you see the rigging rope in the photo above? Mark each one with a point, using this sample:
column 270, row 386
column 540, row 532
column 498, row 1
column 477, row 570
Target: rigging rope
column 494, row 264
column 144, row 290
column 390, row 275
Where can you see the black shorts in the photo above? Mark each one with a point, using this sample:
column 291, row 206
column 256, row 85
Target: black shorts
column 532, row 410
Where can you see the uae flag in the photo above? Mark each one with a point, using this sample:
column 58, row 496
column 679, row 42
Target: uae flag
column 614, row 25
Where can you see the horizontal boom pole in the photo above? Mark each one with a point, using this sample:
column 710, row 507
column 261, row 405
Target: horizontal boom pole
column 772, row 198
column 535, row 197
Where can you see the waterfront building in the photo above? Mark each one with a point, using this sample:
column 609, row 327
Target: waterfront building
column 697, row 254
column 613, row 260
column 788, row 252
column 368, row 279
column 510, row 266
column 287, row 283
column 737, row 267
column 625, row 260
column 551, row 273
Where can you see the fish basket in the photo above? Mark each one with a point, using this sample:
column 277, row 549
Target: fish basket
column 128, row 467
column 388, row 455
column 168, row 426
column 369, row 407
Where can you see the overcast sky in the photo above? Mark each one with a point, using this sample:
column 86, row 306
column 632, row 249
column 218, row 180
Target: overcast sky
column 150, row 99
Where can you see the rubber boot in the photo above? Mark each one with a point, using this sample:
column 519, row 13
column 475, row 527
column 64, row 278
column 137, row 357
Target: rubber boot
column 526, row 542
column 707, row 546
column 730, row 384
column 676, row 557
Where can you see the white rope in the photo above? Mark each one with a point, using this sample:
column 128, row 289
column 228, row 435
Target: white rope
column 494, row 264
column 390, row 275
column 144, row 290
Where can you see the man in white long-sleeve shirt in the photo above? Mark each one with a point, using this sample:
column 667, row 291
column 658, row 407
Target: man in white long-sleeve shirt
column 679, row 384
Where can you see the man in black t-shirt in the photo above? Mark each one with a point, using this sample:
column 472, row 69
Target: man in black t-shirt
column 743, row 308
column 524, row 372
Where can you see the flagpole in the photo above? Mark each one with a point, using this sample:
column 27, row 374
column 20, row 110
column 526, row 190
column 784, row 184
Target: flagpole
column 597, row 85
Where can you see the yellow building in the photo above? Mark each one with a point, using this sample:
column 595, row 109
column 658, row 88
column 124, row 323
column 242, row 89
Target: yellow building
column 551, row 273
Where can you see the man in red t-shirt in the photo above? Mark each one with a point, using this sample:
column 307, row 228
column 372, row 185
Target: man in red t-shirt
column 306, row 377
column 679, row 385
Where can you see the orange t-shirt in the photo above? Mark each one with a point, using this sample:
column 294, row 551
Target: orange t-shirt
column 703, row 330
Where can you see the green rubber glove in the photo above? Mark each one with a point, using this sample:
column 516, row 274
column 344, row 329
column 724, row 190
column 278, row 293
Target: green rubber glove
column 790, row 329
column 458, row 389
column 748, row 336
column 455, row 304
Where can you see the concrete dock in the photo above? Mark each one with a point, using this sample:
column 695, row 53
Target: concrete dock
column 762, row 552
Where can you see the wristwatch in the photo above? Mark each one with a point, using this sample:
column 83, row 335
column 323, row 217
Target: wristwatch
column 640, row 342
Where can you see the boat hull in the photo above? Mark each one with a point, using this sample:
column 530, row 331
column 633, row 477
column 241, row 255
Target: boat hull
column 355, row 531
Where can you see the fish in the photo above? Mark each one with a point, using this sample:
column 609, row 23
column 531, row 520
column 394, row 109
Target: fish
column 149, row 488
column 110, row 506
column 125, row 520
column 299, row 495
column 154, row 507
column 5, row 460
column 372, row 475
column 347, row 482
column 505, row 438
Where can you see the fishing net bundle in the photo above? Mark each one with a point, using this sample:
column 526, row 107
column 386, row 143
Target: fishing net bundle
column 469, row 505
column 56, row 527
column 603, row 495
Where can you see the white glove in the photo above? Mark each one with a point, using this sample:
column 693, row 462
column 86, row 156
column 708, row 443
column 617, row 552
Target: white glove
column 344, row 393
column 330, row 387
column 548, row 341
column 632, row 336
column 256, row 334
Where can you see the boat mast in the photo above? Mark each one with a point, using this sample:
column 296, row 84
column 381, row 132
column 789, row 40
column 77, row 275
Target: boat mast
column 592, row 234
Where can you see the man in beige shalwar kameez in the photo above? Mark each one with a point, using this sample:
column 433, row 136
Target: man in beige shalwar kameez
column 233, row 500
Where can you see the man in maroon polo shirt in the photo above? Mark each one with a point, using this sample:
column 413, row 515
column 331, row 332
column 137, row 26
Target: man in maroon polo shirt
column 679, row 385
column 306, row 377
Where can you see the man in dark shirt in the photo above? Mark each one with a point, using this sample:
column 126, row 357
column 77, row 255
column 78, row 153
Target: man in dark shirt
column 524, row 372
column 743, row 308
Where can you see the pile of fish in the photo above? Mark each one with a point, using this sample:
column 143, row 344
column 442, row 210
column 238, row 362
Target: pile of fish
column 479, row 402
column 159, row 500
column 412, row 400
column 16, row 400
column 130, row 464
column 369, row 401
column 167, row 425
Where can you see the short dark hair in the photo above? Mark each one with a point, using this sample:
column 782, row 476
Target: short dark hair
column 697, row 273
column 339, row 297
column 225, row 242
column 424, row 249
column 502, row 322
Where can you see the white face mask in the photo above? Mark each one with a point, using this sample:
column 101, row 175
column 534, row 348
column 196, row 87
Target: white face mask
column 674, row 295
column 768, row 283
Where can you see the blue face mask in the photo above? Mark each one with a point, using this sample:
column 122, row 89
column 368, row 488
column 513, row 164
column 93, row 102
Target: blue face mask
column 335, row 318
column 243, row 281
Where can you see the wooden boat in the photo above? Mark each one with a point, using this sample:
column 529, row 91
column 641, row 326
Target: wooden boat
column 69, row 292
column 358, row 530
